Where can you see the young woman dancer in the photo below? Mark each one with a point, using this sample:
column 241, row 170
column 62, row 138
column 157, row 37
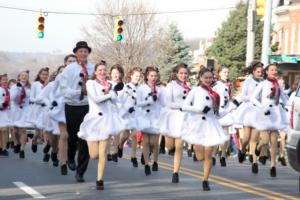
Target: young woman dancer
column 38, row 109
column 269, row 118
column 128, row 112
column 102, row 120
column 20, row 95
column 172, row 118
column 57, row 114
column 150, row 102
column 202, row 127
column 116, row 80
column 224, row 88
column 51, row 127
column 71, row 58
column 5, row 114
column 245, row 114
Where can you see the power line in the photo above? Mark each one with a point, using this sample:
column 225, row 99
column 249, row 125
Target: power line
column 112, row 15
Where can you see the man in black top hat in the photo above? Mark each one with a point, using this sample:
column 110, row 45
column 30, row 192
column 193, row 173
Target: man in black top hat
column 72, row 83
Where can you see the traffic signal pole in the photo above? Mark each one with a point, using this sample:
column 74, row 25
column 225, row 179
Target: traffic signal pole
column 266, row 33
column 251, row 31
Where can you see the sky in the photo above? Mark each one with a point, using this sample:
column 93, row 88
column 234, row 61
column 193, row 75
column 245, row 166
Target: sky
column 18, row 28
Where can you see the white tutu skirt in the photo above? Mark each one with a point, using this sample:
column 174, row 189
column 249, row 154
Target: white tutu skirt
column 5, row 118
column 273, row 122
column 149, row 121
column 285, row 114
column 50, row 125
column 34, row 115
column 100, row 126
column 20, row 118
column 227, row 118
column 204, row 130
column 245, row 114
column 134, row 122
column 57, row 113
column 43, row 121
column 55, row 128
column 171, row 122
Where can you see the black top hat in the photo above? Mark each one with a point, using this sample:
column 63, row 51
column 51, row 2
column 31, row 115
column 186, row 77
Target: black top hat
column 82, row 44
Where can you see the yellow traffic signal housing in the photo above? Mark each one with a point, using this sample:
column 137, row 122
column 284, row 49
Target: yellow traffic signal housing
column 41, row 27
column 118, row 30
column 260, row 8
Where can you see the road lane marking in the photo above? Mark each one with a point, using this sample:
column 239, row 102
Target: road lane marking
column 263, row 190
column 32, row 192
column 269, row 194
column 228, row 185
column 235, row 184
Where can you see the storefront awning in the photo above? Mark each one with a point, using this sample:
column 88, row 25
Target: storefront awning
column 284, row 58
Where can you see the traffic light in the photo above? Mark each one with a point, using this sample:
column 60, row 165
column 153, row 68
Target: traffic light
column 40, row 27
column 118, row 30
column 260, row 8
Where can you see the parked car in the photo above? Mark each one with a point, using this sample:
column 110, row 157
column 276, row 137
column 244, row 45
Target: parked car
column 293, row 143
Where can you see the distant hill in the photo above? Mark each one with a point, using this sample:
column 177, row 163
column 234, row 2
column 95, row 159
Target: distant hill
column 13, row 63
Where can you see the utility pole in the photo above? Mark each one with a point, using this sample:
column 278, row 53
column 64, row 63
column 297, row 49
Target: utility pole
column 266, row 34
column 251, row 31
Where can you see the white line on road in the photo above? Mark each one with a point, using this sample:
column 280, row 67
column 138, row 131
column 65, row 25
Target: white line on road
column 35, row 194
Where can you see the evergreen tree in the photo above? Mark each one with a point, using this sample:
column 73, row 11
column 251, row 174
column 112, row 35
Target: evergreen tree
column 173, row 50
column 229, row 47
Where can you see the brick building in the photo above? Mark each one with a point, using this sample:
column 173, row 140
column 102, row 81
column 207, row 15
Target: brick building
column 286, row 38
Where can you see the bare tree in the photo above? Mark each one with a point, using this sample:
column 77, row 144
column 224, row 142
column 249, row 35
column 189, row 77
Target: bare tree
column 140, row 35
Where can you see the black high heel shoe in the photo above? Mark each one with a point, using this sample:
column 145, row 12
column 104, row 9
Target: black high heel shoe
column 205, row 186
column 64, row 170
column 147, row 170
column 155, row 167
column 100, row 185
column 254, row 168
column 223, row 162
column 134, row 162
column 175, row 178
column 273, row 172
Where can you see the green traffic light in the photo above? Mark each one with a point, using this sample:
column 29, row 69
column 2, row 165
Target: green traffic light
column 40, row 35
column 119, row 38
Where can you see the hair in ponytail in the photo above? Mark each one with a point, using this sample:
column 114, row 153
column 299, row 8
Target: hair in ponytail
column 131, row 72
column 103, row 63
column 265, row 75
column 27, row 83
column 67, row 58
column 176, row 69
column 252, row 67
column 148, row 70
column 202, row 72
column 45, row 69
column 120, row 70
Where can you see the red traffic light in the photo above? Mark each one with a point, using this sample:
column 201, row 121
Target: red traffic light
column 41, row 19
column 120, row 22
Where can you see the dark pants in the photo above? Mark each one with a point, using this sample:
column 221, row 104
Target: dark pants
column 74, row 117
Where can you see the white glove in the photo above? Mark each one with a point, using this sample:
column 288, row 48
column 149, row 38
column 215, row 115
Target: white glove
column 113, row 95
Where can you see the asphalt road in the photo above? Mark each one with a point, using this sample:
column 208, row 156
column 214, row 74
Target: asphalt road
column 122, row 181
